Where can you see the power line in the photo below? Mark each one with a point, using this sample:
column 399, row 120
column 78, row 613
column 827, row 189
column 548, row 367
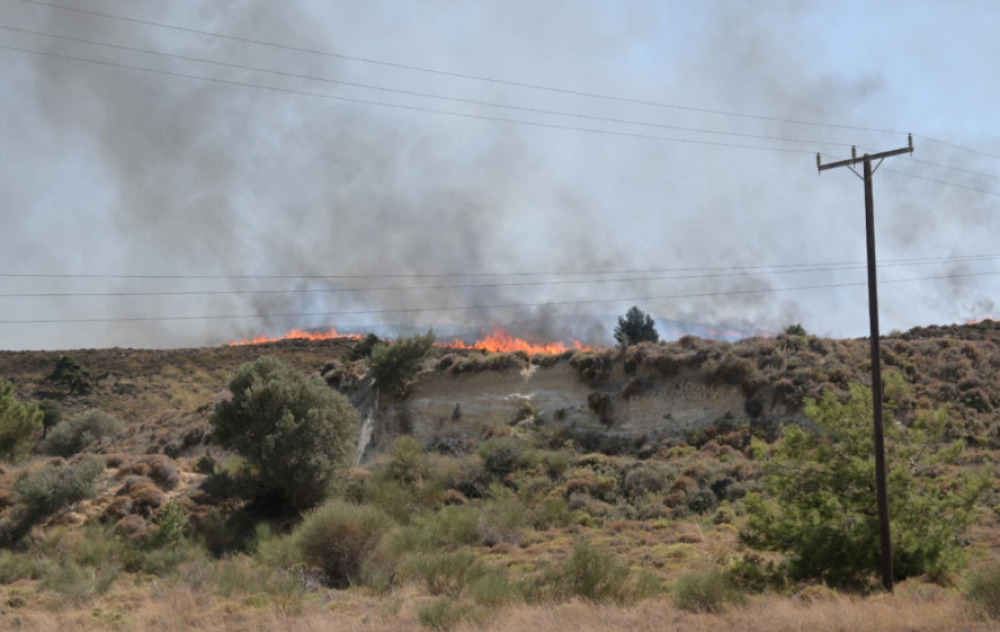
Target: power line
column 936, row 181
column 603, row 119
column 405, row 107
column 764, row 268
column 476, row 307
column 459, row 75
column 953, row 145
column 937, row 164
column 520, row 84
column 451, row 286
column 471, row 101
column 467, row 101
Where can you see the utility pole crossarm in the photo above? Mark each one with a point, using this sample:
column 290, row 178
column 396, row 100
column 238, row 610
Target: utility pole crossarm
column 856, row 159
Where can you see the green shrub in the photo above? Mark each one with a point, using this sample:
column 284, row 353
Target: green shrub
column 447, row 573
column 70, row 437
column 595, row 575
column 647, row 585
column 452, row 526
column 171, row 526
column 399, row 500
column 821, row 510
column 362, row 349
column 551, row 513
column 445, row 614
column 408, row 462
column 706, row 591
column 702, row 501
column 51, row 488
column 501, row 456
column 338, row 538
column 646, row 479
column 502, row 520
column 17, row 566
column 294, row 432
column 260, row 585
column 495, row 589
column 273, row 550
column 19, row 423
column 51, row 414
column 76, row 584
column 984, row 591
column 556, row 463
column 395, row 365
column 751, row 573
column 161, row 561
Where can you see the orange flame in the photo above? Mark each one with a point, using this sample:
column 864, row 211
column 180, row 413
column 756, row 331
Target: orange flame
column 501, row 341
column 297, row 334
column 982, row 320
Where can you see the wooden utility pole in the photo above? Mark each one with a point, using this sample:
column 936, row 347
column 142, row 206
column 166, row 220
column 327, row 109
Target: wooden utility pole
column 880, row 475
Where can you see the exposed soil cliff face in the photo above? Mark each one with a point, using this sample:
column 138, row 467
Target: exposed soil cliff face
column 624, row 412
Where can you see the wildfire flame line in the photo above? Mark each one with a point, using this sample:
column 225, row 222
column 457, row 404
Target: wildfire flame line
column 297, row 334
column 499, row 341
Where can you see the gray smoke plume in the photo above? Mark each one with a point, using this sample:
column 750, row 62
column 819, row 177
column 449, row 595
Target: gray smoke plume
column 116, row 171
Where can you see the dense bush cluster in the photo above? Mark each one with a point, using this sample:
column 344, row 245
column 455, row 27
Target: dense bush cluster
column 45, row 491
column 70, row 437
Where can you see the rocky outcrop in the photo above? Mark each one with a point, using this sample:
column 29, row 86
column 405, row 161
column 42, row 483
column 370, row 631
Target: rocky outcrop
column 622, row 412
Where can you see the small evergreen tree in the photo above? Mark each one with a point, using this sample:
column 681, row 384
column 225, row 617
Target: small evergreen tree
column 72, row 375
column 19, row 423
column 395, row 365
column 820, row 505
column 634, row 327
column 293, row 432
column 795, row 330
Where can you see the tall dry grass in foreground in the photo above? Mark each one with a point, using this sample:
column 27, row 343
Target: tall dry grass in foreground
column 186, row 611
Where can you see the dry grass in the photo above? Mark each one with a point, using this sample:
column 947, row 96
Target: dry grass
column 354, row 611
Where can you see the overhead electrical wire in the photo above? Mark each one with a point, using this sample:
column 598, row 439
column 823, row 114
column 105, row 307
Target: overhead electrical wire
column 953, row 145
column 938, row 164
column 353, row 84
column 339, row 290
column 936, row 181
column 413, row 108
column 459, row 75
column 481, row 78
column 761, row 267
column 414, row 310
column 469, row 101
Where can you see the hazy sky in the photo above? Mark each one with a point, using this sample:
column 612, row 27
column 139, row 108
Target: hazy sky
column 113, row 171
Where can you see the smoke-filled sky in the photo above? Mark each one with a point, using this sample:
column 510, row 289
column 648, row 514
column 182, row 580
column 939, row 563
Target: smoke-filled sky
column 114, row 171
